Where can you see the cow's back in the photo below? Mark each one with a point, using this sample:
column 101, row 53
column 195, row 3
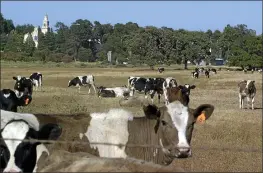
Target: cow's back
column 72, row 126
column 141, row 132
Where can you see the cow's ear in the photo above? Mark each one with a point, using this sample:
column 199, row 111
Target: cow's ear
column 151, row 111
column 192, row 87
column 49, row 132
column 253, row 81
column 15, row 78
column 203, row 112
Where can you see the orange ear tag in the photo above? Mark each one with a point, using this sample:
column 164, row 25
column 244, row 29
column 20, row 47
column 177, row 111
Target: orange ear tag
column 201, row 118
column 27, row 100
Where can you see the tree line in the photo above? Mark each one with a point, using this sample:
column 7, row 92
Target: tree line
column 89, row 42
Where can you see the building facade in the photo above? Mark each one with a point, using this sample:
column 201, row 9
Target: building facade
column 44, row 29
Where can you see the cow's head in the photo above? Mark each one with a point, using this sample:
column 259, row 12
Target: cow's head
column 175, row 123
column 20, row 156
column 186, row 88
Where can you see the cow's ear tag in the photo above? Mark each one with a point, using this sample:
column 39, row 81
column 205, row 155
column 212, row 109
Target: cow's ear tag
column 201, row 118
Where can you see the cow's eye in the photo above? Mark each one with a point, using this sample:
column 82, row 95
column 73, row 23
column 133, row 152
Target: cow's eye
column 164, row 123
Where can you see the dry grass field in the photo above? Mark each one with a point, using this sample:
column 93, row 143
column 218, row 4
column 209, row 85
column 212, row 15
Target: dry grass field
column 228, row 127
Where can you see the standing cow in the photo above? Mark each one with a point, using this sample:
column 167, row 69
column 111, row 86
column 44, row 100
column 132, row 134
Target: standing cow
column 83, row 81
column 247, row 89
column 37, row 80
column 23, row 86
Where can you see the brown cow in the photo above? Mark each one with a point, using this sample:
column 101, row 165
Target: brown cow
column 247, row 89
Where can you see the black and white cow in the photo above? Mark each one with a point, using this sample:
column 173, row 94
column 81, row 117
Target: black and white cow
column 22, row 156
column 136, row 84
column 132, row 80
column 23, row 85
column 207, row 73
column 37, row 79
column 195, row 74
column 247, row 89
column 168, row 83
column 9, row 100
column 152, row 86
column 113, row 92
column 160, row 69
column 186, row 88
column 83, row 81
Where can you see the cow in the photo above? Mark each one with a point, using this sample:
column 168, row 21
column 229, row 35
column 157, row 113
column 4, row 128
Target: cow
column 207, row 73
column 22, row 156
column 106, row 93
column 170, row 126
column 160, row 69
column 136, row 84
column 168, row 83
column 195, row 74
column 152, row 86
column 83, row 81
column 114, row 92
column 9, row 101
column 132, row 80
column 23, row 85
column 247, row 89
column 37, row 80
column 213, row 70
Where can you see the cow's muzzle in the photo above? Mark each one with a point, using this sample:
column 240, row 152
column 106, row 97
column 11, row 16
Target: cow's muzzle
column 183, row 153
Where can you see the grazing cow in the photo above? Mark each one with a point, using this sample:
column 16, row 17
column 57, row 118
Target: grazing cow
column 23, row 86
column 195, row 74
column 207, row 73
column 170, row 125
column 114, row 92
column 37, row 79
column 152, row 86
column 22, row 156
column 9, row 100
column 160, row 69
column 168, row 83
column 83, row 81
column 247, row 89
column 213, row 70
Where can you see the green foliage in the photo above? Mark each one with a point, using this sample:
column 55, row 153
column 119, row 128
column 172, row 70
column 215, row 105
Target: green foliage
column 88, row 42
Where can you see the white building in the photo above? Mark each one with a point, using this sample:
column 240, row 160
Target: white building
column 45, row 28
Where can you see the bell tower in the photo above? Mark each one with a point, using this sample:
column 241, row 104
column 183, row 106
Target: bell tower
column 45, row 25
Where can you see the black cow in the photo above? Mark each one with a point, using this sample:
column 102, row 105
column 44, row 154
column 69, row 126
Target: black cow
column 37, row 79
column 83, row 81
column 160, row 69
column 9, row 100
column 23, row 86
column 207, row 73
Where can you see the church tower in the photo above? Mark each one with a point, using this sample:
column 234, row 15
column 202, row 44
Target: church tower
column 45, row 26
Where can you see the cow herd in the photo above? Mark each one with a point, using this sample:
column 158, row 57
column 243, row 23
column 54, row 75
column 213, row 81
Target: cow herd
column 169, row 126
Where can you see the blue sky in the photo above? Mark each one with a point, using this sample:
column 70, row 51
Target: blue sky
column 190, row 15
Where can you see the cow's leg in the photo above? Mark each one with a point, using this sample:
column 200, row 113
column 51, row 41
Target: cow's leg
column 79, row 88
column 89, row 85
column 40, row 83
column 248, row 101
column 152, row 93
column 252, row 102
column 93, row 86
column 36, row 85
column 165, row 96
column 240, row 101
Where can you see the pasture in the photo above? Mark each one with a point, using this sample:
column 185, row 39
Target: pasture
column 228, row 127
